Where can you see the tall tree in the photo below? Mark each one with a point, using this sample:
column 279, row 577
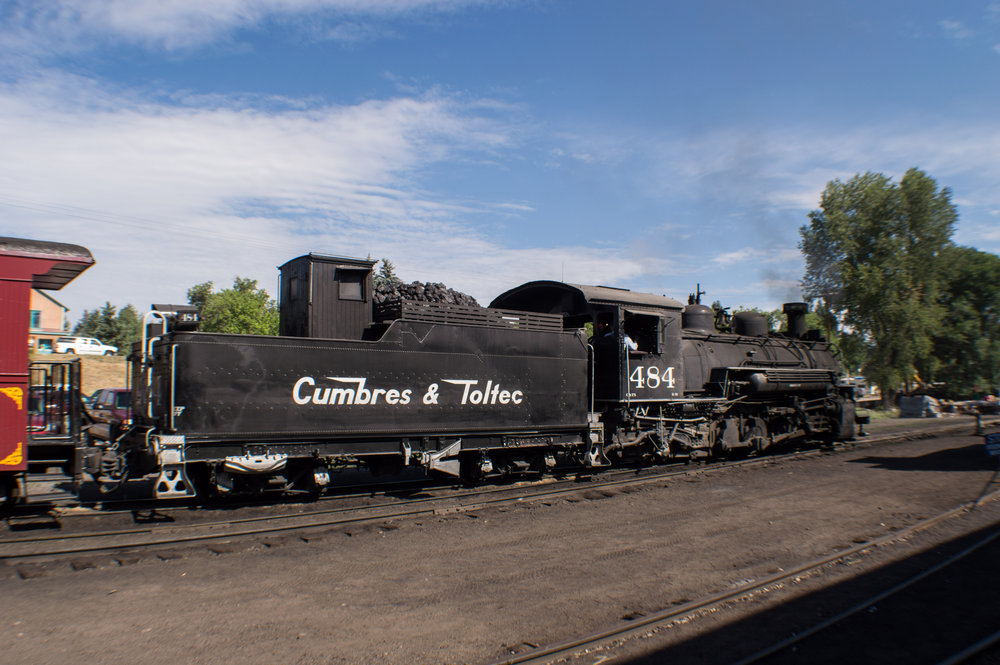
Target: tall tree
column 386, row 274
column 243, row 309
column 966, row 353
column 129, row 325
column 87, row 324
column 112, row 326
column 872, row 260
column 199, row 293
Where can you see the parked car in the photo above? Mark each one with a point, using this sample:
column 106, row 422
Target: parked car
column 84, row 346
column 111, row 405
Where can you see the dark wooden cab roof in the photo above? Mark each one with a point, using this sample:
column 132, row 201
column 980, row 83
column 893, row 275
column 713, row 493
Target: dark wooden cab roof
column 574, row 299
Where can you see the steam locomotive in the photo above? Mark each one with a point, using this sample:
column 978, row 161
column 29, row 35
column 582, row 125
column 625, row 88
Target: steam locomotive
column 550, row 374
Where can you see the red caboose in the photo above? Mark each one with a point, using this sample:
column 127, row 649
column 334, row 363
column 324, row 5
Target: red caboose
column 24, row 265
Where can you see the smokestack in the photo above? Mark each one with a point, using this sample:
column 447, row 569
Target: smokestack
column 796, row 313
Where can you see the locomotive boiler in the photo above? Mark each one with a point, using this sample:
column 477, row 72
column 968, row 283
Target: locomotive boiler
column 519, row 386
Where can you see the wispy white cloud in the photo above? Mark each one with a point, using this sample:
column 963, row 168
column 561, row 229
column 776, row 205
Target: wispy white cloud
column 737, row 196
column 225, row 185
column 956, row 29
column 757, row 255
column 70, row 25
column 96, row 145
column 170, row 194
column 984, row 32
column 989, row 232
column 227, row 189
column 771, row 171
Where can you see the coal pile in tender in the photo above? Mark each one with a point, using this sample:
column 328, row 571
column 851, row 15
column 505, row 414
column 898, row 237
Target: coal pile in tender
column 427, row 292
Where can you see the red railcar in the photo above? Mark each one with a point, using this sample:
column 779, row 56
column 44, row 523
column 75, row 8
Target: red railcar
column 24, row 265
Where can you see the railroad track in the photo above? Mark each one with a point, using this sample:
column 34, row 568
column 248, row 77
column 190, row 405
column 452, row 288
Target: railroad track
column 161, row 530
column 165, row 533
column 808, row 645
column 882, row 613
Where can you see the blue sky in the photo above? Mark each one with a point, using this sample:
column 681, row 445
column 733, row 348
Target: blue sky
column 647, row 145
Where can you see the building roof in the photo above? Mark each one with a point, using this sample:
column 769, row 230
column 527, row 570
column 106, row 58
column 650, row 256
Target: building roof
column 48, row 297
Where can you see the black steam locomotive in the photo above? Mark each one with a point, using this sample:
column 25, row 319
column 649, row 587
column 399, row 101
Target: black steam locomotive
column 519, row 386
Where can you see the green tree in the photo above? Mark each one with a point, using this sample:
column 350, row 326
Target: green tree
column 243, row 309
column 872, row 262
column 966, row 353
column 106, row 328
column 129, row 325
column 119, row 328
column 854, row 352
column 87, row 324
column 386, row 274
column 777, row 321
column 199, row 293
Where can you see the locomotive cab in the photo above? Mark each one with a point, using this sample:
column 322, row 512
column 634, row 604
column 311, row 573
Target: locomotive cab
column 638, row 358
column 636, row 337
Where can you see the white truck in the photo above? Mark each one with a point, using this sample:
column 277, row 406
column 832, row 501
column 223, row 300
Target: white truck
column 84, row 346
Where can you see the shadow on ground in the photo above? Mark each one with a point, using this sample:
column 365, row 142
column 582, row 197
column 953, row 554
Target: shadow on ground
column 925, row 624
column 969, row 457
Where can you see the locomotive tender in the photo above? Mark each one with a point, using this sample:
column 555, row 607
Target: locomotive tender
column 466, row 391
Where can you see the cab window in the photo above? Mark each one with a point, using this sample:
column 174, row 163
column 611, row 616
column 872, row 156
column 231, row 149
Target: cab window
column 643, row 330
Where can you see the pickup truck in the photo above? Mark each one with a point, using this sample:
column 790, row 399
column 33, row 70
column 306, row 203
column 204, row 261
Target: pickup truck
column 84, row 346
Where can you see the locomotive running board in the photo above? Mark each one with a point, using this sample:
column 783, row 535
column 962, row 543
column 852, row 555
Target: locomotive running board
column 172, row 483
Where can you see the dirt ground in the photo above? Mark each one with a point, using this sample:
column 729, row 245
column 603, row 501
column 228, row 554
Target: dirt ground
column 470, row 588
